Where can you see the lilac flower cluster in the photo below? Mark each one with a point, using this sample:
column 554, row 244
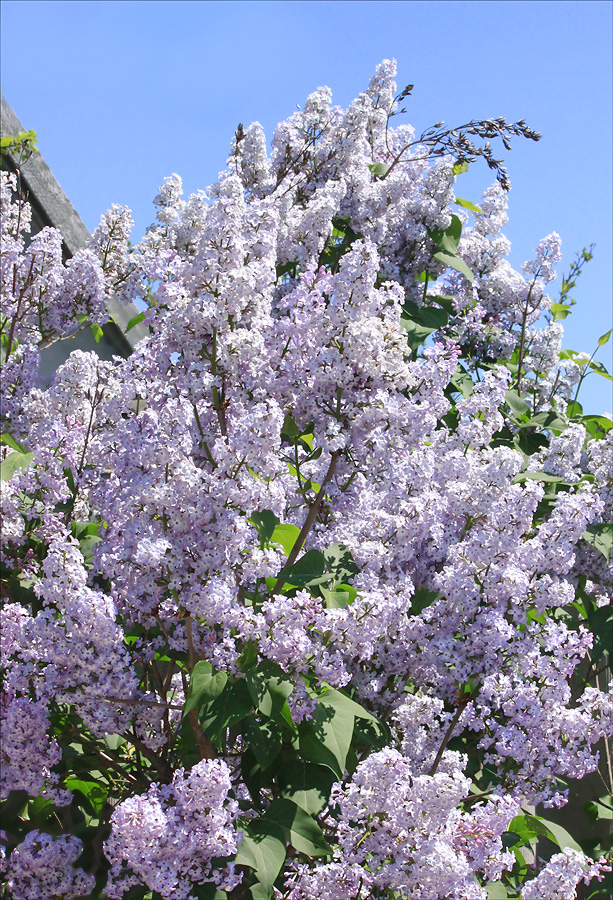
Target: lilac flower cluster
column 560, row 877
column 276, row 415
column 43, row 866
column 167, row 838
column 401, row 831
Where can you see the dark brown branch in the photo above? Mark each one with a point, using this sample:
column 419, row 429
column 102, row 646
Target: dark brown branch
column 448, row 733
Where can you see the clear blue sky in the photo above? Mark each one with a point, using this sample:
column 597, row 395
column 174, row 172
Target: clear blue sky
column 124, row 93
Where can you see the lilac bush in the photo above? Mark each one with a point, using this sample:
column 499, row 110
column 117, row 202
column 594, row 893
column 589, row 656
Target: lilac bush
column 309, row 596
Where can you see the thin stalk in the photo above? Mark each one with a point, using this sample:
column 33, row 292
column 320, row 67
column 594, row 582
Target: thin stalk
column 308, row 522
column 447, row 738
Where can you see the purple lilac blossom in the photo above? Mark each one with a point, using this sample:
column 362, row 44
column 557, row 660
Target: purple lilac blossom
column 168, row 455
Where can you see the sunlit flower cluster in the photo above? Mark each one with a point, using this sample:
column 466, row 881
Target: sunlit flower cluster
column 319, row 490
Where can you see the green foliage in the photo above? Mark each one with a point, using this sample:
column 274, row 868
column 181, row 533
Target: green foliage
column 204, row 686
column 13, row 462
column 97, row 333
column 600, row 537
column 20, row 145
column 380, row 170
column 420, row 321
column 445, row 247
column 265, row 523
column 331, row 567
column 285, row 536
column 263, row 850
column 466, row 204
column 307, row 784
column 134, row 321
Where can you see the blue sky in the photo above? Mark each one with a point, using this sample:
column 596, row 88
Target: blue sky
column 124, row 93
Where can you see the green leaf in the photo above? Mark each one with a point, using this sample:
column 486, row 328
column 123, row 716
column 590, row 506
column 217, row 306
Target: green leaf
column 459, row 168
column 15, row 143
column 423, row 598
column 559, row 835
column 509, row 839
column 262, row 849
column 299, row 828
column 462, row 382
column 602, row 808
column 260, row 892
column 14, row 461
column 376, row 735
column 445, row 301
column 546, row 420
column 604, row 338
column 519, row 406
column 254, row 776
column 97, row 333
column 326, row 737
column 580, row 359
column 269, row 688
column 265, row 740
column 308, row 439
column 249, row 657
column 10, row 441
column 342, row 702
column 135, row 320
column 94, row 793
column 530, row 443
column 81, row 530
column 454, row 262
column 379, row 170
column 529, row 827
column 600, row 623
column 340, row 563
column 416, row 333
column 289, row 428
column 600, row 537
column 538, row 476
column 598, row 367
column 466, row 204
column 307, row 784
column 286, row 536
column 430, row 316
column 286, row 268
column 574, row 409
column 337, row 599
column 15, row 805
column 86, row 546
column 597, row 426
column 228, row 709
column 265, row 523
column 496, row 891
column 309, row 569
column 448, row 240
column 560, row 311
column 204, row 686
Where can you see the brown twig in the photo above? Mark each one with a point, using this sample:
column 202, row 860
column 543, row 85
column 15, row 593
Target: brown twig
column 448, row 733
column 308, row 522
